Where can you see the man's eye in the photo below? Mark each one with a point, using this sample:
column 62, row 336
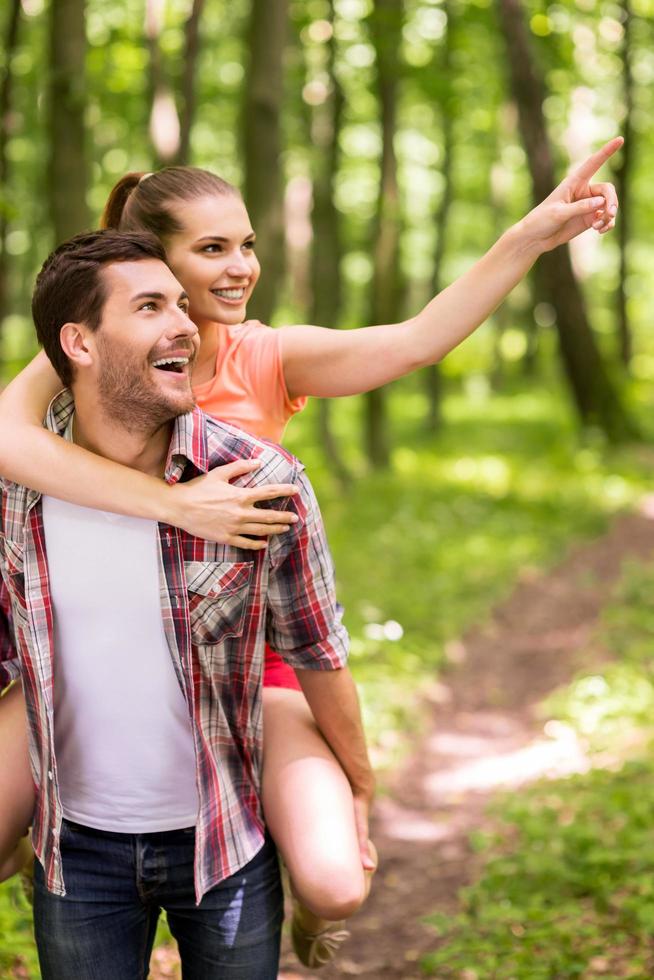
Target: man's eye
column 184, row 307
column 148, row 306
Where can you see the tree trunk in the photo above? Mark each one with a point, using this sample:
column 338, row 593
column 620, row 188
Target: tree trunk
column 432, row 374
column 6, row 86
column 386, row 29
column 594, row 395
column 164, row 121
column 262, row 145
column 68, row 170
column 188, row 89
column 530, row 359
column 326, row 286
column 623, row 186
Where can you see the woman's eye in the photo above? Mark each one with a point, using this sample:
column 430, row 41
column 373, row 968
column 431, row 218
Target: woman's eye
column 212, row 249
column 249, row 246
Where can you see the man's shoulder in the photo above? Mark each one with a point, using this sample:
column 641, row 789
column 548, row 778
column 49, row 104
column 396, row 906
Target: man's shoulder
column 227, row 443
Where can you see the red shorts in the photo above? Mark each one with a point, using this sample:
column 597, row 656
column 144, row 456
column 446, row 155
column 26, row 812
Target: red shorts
column 277, row 673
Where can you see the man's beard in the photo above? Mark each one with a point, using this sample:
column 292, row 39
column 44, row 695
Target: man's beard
column 130, row 398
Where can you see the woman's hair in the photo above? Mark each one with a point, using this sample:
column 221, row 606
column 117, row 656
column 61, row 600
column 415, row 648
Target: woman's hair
column 142, row 202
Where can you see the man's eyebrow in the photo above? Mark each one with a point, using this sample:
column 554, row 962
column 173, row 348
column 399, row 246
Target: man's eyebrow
column 149, row 295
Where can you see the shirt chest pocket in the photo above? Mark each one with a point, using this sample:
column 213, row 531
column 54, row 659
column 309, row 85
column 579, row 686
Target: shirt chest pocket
column 218, row 597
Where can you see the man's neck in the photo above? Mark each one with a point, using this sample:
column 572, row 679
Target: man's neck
column 140, row 450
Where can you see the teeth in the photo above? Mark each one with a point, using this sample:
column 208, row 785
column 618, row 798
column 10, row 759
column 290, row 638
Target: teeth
column 230, row 293
column 170, row 360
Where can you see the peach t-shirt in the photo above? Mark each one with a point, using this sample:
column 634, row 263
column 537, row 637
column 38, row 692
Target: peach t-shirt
column 248, row 388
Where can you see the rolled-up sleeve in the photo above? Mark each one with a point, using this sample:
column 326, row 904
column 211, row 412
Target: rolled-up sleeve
column 304, row 620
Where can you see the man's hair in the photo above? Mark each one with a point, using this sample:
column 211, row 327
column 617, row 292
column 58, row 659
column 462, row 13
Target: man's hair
column 70, row 287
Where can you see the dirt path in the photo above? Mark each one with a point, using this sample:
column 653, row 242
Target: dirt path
column 485, row 737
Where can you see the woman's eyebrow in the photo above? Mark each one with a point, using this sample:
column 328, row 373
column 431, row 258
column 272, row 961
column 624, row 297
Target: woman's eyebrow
column 221, row 238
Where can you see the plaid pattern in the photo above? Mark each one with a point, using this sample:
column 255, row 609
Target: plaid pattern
column 219, row 604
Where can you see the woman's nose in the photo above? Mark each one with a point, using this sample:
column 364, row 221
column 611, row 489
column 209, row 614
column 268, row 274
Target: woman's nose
column 238, row 265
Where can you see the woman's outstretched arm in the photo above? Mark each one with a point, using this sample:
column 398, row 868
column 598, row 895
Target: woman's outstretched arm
column 208, row 506
column 330, row 363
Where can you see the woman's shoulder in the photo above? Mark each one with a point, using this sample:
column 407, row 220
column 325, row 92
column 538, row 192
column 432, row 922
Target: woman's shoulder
column 251, row 330
column 251, row 339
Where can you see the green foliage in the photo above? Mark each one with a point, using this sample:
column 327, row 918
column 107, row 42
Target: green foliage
column 567, row 891
column 610, row 706
column 567, row 886
column 17, row 946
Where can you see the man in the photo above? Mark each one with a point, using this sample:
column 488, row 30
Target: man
column 140, row 647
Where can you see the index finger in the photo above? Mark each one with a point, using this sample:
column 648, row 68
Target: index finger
column 590, row 166
column 272, row 490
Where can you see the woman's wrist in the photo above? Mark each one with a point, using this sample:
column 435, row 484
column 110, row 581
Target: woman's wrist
column 519, row 245
column 167, row 504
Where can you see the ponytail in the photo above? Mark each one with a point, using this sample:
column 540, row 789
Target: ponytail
column 114, row 208
column 145, row 202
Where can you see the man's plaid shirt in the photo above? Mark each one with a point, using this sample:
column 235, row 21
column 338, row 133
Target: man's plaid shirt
column 218, row 605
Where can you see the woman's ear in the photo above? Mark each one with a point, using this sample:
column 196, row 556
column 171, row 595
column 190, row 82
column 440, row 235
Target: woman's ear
column 74, row 340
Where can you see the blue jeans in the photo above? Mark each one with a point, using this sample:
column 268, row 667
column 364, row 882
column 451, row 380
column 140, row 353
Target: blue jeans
column 116, row 886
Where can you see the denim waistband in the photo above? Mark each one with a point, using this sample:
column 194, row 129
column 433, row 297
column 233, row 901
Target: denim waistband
column 160, row 835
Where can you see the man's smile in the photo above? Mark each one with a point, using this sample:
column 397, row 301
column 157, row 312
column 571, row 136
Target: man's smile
column 172, row 364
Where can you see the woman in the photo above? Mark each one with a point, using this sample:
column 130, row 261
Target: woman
column 258, row 378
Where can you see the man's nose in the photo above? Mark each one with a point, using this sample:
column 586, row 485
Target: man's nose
column 182, row 325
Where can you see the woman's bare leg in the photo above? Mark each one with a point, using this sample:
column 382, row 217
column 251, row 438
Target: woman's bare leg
column 16, row 786
column 309, row 810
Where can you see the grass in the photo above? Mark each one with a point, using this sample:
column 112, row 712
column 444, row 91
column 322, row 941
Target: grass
column 567, row 888
column 425, row 550
column 16, row 946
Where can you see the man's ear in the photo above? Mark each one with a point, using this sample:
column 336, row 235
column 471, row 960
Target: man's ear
column 74, row 339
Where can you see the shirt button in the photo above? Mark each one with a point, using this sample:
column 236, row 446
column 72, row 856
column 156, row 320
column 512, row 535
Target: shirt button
column 50, row 774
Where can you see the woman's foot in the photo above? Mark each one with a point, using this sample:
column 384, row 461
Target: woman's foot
column 315, row 941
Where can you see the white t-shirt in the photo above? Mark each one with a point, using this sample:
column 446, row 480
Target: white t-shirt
column 123, row 737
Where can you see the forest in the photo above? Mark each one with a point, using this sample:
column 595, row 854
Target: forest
column 381, row 147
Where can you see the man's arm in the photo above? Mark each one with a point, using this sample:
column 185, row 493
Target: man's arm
column 304, row 626
column 333, row 699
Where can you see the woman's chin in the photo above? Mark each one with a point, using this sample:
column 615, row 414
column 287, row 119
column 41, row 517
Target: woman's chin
column 231, row 316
